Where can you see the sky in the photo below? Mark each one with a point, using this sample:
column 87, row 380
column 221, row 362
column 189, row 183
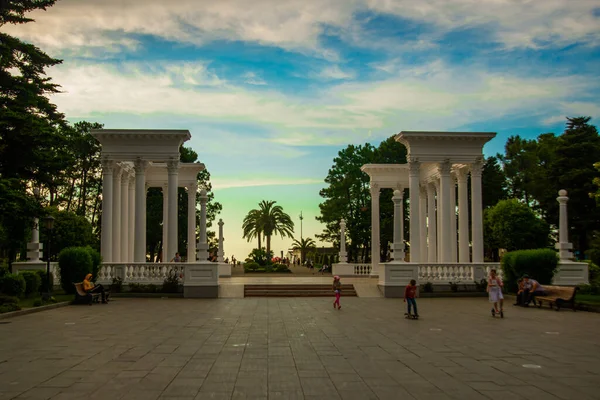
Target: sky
column 271, row 90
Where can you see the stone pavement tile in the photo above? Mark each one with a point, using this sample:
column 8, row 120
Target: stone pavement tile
column 254, row 374
column 561, row 391
column 503, row 395
column 221, row 377
column 138, row 394
column 183, row 387
column 318, row 387
column 285, row 361
column 39, row 393
column 293, row 395
column 251, row 364
column 206, row 395
column 345, row 377
column 131, row 374
column 487, row 386
column 287, row 385
column 217, row 386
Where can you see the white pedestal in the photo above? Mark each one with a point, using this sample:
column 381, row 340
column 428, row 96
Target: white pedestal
column 571, row 273
column 342, row 269
column 224, row 269
column 201, row 280
column 395, row 275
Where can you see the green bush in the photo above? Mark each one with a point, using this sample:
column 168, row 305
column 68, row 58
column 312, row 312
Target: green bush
column 142, row 288
column 96, row 261
column 42, row 274
column 37, row 303
column 3, row 270
column 594, row 288
column 117, row 285
column 593, row 272
column 12, row 285
column 9, row 308
column 4, row 300
column 74, row 264
column 33, row 282
column 539, row 264
column 280, row 268
column 251, row 266
column 594, row 256
column 171, row 283
column 428, row 287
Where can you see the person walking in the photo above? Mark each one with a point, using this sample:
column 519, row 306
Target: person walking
column 337, row 289
column 410, row 293
column 494, row 289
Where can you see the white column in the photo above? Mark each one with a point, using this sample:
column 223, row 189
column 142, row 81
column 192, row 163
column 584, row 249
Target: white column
column 116, row 225
column 375, row 247
column 476, row 212
column 398, row 245
column 563, row 246
column 432, row 224
column 343, row 254
column 107, row 212
column 131, row 222
column 191, row 240
column 124, row 222
column 172, row 245
column 415, row 225
column 463, row 217
column 220, row 252
column 453, row 229
column 203, row 241
column 165, row 223
column 444, row 205
column 140, row 211
column 423, row 221
column 436, row 183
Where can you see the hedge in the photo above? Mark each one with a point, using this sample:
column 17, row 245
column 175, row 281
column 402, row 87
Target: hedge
column 74, row 264
column 42, row 275
column 539, row 264
column 8, row 304
column 12, row 285
column 33, row 282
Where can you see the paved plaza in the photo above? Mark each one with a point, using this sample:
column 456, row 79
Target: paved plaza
column 299, row 349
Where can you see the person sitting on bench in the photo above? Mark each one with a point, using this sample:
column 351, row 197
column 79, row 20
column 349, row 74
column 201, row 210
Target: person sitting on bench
column 527, row 292
column 90, row 287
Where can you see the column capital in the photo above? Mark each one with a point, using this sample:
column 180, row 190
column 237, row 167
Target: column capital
column 132, row 181
column 477, row 167
column 173, row 165
column 374, row 186
column 461, row 175
column 398, row 196
column 342, row 223
column 107, row 165
column 203, row 195
column 192, row 186
column 445, row 167
column 118, row 170
column 414, row 166
column 562, row 197
column 220, row 223
column 423, row 189
column 140, row 165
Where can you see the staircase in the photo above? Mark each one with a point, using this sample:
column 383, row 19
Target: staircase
column 307, row 290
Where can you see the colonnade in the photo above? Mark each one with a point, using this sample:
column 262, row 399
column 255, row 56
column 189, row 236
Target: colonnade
column 124, row 189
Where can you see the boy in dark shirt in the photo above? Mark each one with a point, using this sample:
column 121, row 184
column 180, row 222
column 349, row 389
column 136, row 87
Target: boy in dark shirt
column 409, row 297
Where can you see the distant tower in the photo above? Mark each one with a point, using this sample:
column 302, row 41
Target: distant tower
column 301, row 218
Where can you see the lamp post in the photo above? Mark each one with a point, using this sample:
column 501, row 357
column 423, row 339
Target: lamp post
column 49, row 224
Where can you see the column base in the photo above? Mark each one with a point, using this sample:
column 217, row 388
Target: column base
column 201, row 280
column 201, row 292
column 570, row 273
column 395, row 275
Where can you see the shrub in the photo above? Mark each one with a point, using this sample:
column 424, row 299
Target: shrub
column 454, row 286
column 75, row 263
column 428, row 287
column 37, row 303
column 141, row 288
column 171, row 283
column 12, row 285
column 42, row 274
column 251, row 266
column 539, row 264
column 117, row 285
column 589, row 289
column 9, row 308
column 8, row 304
column 281, row 268
column 96, row 260
column 481, row 286
column 33, row 282
column 3, row 270
column 593, row 272
column 594, row 256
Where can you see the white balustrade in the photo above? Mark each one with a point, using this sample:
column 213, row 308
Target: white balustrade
column 362, row 269
column 350, row 269
column 143, row 273
column 456, row 272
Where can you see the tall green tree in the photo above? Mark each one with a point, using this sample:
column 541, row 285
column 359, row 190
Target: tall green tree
column 31, row 143
column 268, row 219
column 304, row 245
column 252, row 227
column 493, row 183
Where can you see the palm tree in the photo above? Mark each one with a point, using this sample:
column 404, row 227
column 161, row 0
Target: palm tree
column 274, row 221
column 252, row 226
column 304, row 245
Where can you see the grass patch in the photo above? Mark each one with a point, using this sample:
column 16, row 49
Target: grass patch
column 590, row 299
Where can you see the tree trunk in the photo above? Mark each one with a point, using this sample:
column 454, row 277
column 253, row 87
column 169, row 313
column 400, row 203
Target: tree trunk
column 71, row 192
column 268, row 246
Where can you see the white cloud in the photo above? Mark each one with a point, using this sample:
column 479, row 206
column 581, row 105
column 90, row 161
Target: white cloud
column 298, row 24
column 221, row 184
column 333, row 72
column 252, row 79
column 433, row 96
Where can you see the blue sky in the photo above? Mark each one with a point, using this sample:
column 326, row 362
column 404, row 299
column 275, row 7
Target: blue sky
column 271, row 90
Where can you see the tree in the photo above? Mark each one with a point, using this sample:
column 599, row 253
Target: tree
column 512, row 225
column 31, row 145
column 304, row 245
column 252, row 226
column 70, row 230
column 596, row 181
column 493, row 183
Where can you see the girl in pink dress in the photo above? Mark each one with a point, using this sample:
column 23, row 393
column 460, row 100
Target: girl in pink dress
column 337, row 289
column 494, row 289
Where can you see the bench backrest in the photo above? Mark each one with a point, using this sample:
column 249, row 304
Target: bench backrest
column 79, row 288
column 563, row 292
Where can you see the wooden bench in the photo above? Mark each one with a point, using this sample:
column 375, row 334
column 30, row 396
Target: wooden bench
column 558, row 296
column 81, row 296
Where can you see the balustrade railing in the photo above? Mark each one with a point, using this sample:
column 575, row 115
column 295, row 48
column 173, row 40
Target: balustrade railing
column 146, row 273
column 454, row 272
column 362, row 269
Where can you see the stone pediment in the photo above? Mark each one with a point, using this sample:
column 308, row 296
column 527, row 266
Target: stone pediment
column 148, row 144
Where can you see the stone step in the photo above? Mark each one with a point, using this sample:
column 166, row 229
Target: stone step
column 295, row 291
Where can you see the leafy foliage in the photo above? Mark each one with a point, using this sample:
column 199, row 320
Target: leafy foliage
column 8, row 304
column 260, row 256
column 33, row 282
column 267, row 220
column 13, row 285
column 539, row 264
column 304, row 245
column 74, row 264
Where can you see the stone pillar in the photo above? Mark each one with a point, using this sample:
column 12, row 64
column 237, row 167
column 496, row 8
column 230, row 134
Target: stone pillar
column 415, row 225
column 444, row 204
column 563, row 246
column 423, row 220
column 398, row 245
column 432, row 224
column 453, row 228
column 34, row 248
column 343, row 254
column 476, row 212
column 124, row 222
column 116, row 231
column 107, row 210
column 131, row 224
column 191, row 240
column 375, row 247
column 203, row 241
column 165, row 224
column 463, row 217
column 436, row 183
column 140, row 211
column 220, row 252
column 172, row 245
